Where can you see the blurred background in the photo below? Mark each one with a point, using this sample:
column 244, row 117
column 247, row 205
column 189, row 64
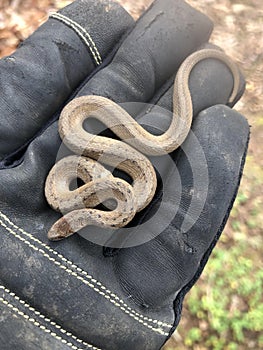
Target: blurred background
column 225, row 308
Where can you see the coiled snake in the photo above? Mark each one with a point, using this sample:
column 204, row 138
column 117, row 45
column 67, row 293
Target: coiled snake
column 79, row 205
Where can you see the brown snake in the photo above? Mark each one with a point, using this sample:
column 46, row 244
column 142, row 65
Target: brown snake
column 78, row 206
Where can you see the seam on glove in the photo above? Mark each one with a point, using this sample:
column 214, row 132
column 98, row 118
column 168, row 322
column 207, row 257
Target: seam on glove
column 41, row 326
column 106, row 293
column 82, row 33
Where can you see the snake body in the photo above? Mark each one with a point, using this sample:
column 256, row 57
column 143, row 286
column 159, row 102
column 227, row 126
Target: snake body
column 128, row 155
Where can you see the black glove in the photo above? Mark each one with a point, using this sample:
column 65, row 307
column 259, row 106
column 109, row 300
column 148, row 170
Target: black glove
column 51, row 64
column 75, row 294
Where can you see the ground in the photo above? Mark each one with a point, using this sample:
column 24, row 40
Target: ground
column 225, row 309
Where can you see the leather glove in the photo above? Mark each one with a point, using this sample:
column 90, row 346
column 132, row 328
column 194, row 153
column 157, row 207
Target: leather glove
column 51, row 64
column 75, row 294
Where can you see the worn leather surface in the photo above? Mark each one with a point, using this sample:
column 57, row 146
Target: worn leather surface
column 163, row 38
column 126, row 298
column 50, row 65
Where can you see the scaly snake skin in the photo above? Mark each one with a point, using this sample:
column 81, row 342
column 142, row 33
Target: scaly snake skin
column 128, row 155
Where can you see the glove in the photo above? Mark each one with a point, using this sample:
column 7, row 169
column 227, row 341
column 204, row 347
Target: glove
column 75, row 294
column 50, row 65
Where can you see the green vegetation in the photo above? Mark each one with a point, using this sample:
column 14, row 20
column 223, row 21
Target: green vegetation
column 230, row 301
column 224, row 311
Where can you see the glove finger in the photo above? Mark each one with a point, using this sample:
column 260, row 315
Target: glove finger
column 210, row 83
column 39, row 77
column 164, row 35
column 151, row 53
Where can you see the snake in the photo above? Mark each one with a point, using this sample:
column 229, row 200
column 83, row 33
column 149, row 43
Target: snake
column 129, row 153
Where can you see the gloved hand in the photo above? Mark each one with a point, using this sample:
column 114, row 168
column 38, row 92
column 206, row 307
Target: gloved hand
column 75, row 294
